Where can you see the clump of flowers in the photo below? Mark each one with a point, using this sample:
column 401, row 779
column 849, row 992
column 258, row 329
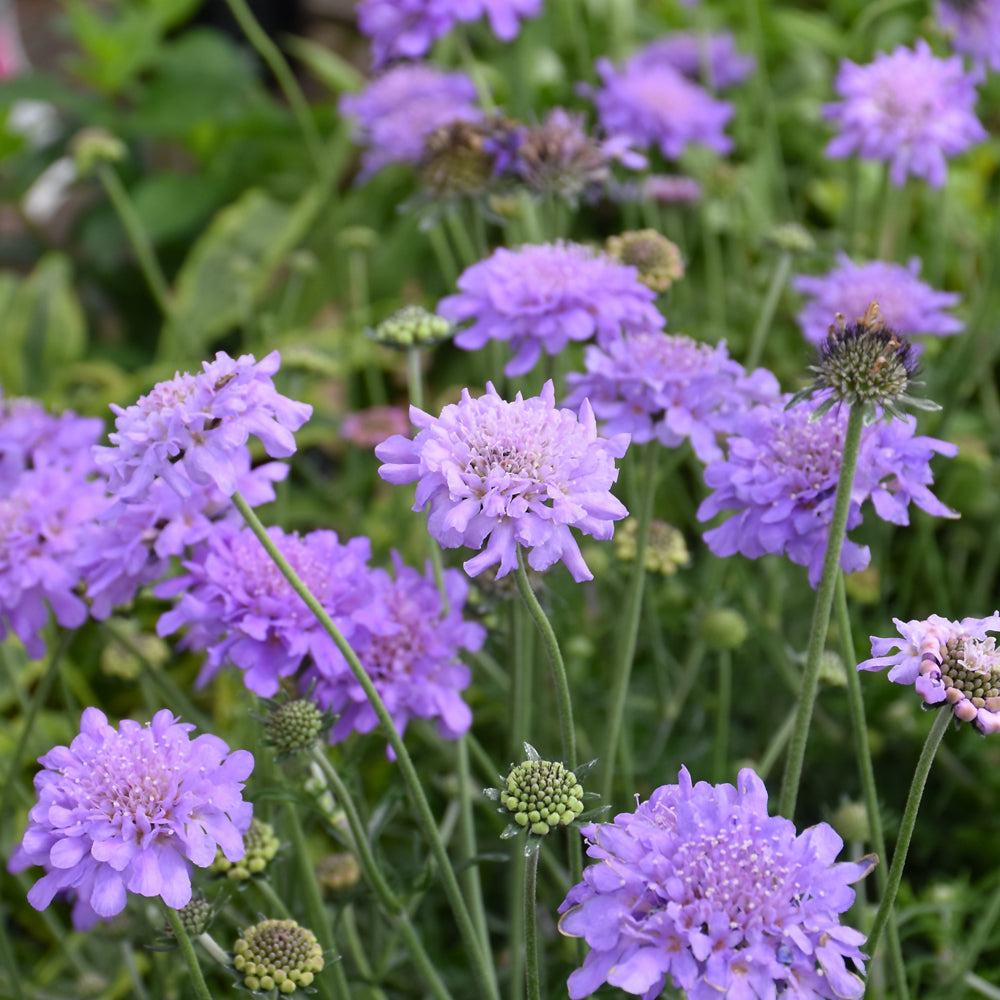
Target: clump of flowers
column 129, row 810
column 909, row 305
column 194, row 429
column 701, row 886
column 261, row 845
column 666, row 549
column 974, row 29
column 541, row 297
column 712, row 60
column 671, row 388
column 412, row 326
column 949, row 663
column 277, row 955
column 396, row 112
column 510, row 474
column 907, row 108
column 780, row 478
column 657, row 259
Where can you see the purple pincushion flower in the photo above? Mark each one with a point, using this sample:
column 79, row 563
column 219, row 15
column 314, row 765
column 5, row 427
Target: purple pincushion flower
column 908, row 305
column 194, row 429
column 397, row 111
column 948, row 662
column 909, row 109
column 700, row 885
column 780, row 476
column 974, row 28
column 509, row 474
column 413, row 663
column 712, row 60
column 544, row 296
column 654, row 385
column 129, row 810
column 655, row 104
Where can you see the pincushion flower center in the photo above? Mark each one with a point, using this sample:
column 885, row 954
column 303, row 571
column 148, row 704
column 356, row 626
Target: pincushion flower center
column 972, row 666
column 904, row 99
column 167, row 395
column 131, row 786
column 490, row 453
column 808, row 452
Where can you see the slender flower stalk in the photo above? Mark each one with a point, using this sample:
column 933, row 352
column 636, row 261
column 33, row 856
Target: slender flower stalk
column 530, row 926
column 779, row 278
column 198, row 984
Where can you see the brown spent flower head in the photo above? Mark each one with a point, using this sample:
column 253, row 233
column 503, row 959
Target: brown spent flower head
column 666, row 550
column 277, row 954
column 657, row 259
column 459, row 158
column 261, row 847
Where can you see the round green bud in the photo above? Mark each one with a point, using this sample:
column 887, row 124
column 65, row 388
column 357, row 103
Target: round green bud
column 792, row 238
column 92, row 146
column 851, row 822
column 541, row 795
column 412, row 326
column 293, row 726
column 657, row 259
column 195, row 916
column 724, row 628
column 277, row 954
column 261, row 846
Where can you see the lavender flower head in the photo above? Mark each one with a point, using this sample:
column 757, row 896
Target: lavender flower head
column 908, row 109
column 192, row 429
column 413, row 663
column 908, row 305
column 974, row 29
column 129, row 810
column 655, row 104
column 712, row 60
column 544, row 296
column 396, row 112
column 509, row 474
column 781, row 473
column 700, row 885
column 671, row 388
column 953, row 663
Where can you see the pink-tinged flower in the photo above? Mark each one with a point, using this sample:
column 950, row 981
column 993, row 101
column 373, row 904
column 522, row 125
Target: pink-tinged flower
column 713, row 60
column 974, row 29
column 701, row 886
column 907, row 304
column 665, row 189
column 130, row 810
column 194, row 429
column 780, row 477
column 671, row 388
column 398, row 110
column 367, row 428
column 954, row 663
column 413, row 662
column 657, row 105
column 544, row 296
column 908, row 109
column 509, row 474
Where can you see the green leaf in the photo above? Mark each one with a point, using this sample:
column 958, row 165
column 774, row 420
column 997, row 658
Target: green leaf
column 333, row 71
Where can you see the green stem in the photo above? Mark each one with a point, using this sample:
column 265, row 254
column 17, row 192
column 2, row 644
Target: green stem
column 278, row 65
column 723, row 709
column 522, row 682
column 138, row 237
column 776, row 745
column 460, row 237
column 442, row 251
column 625, row 654
column 530, row 926
column 759, row 337
column 358, row 951
column 969, row 955
column 214, row 950
column 821, row 614
column 895, row 212
column 200, row 987
column 274, row 902
column 8, row 959
column 467, row 839
column 909, row 821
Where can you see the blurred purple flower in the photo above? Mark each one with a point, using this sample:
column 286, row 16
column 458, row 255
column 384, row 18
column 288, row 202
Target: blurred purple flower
column 544, row 296
column 396, row 112
column 701, row 885
column 667, row 189
column 974, row 29
column 510, row 473
column 413, row 663
column 369, row 427
column 194, row 429
column 909, row 109
column 240, row 609
column 781, row 477
column 656, row 104
column 129, row 810
column 954, row 663
column 654, row 385
column 908, row 305
column 713, row 60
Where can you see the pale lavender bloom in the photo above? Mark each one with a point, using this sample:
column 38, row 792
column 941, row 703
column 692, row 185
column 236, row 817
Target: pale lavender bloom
column 396, row 112
column 656, row 104
column 909, row 109
column 712, row 60
column 130, row 810
column 667, row 189
column 781, row 477
column 545, row 296
column 194, row 429
column 413, row 663
column 239, row 608
column 974, row 29
column 908, row 305
column 509, row 474
column 700, row 885
column 948, row 662
column 671, row 388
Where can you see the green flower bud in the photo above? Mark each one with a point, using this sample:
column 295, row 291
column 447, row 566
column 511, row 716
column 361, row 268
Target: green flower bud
column 294, row 726
column 792, row 238
column 91, row 146
column 277, row 954
column 724, row 628
column 666, row 550
column 412, row 326
column 542, row 795
column 338, row 872
column 851, row 822
column 261, row 846
column 195, row 916
column 657, row 259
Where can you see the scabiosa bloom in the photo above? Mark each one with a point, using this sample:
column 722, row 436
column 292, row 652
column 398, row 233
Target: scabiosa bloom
column 780, row 477
column 953, row 663
column 664, row 189
column 671, row 388
column 413, row 663
column 129, row 810
column 712, row 60
column 908, row 305
column 656, row 104
column 544, row 296
column 396, row 112
column 192, row 429
column 909, row 109
column 510, row 473
column 701, row 885
column 974, row 29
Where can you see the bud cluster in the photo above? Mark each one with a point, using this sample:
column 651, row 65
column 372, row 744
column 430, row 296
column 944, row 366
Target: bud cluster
column 261, row 846
column 277, row 954
column 657, row 259
column 412, row 326
column 542, row 795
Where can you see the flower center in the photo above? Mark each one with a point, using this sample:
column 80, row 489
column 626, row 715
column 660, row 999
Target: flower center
column 972, row 666
column 167, row 395
column 810, row 452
